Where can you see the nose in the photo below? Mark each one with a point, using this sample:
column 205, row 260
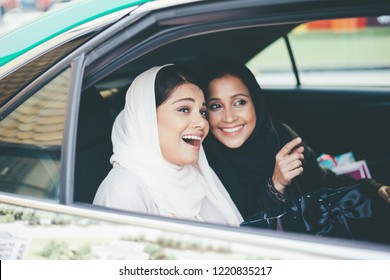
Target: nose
column 199, row 122
column 228, row 115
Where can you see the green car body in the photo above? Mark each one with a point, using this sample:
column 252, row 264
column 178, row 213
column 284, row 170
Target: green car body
column 18, row 41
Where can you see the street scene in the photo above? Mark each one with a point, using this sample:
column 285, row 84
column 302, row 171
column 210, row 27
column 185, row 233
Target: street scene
column 14, row 13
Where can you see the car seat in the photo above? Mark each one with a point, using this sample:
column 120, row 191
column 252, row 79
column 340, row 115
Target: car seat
column 93, row 146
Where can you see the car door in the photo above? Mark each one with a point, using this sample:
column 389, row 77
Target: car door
column 106, row 64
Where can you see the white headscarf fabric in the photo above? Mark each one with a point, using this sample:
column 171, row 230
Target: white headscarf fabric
column 178, row 191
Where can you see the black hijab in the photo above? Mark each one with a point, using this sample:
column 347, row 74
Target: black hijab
column 244, row 170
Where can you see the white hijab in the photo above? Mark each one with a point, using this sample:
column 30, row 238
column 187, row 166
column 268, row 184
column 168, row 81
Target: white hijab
column 178, row 191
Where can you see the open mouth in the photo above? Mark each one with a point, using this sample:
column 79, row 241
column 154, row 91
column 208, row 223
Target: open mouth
column 192, row 140
column 233, row 129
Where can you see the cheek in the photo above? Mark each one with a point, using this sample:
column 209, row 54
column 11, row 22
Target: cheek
column 163, row 141
column 206, row 128
column 165, row 134
column 168, row 145
column 252, row 119
column 212, row 119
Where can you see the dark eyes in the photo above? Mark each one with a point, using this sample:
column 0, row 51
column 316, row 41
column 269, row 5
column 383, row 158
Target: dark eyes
column 240, row 102
column 184, row 110
column 216, row 106
column 202, row 112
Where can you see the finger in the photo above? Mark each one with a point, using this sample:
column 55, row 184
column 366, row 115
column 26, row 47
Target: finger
column 296, row 172
column 299, row 150
column 385, row 196
column 294, row 165
column 290, row 158
column 289, row 146
column 384, row 192
column 287, row 170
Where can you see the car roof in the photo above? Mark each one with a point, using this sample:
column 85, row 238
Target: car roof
column 56, row 22
column 78, row 12
column 217, row 29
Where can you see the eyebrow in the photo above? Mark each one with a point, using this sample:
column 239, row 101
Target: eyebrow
column 231, row 97
column 183, row 99
column 204, row 103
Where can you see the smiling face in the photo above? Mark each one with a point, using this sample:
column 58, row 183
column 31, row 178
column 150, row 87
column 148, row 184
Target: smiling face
column 231, row 112
column 182, row 124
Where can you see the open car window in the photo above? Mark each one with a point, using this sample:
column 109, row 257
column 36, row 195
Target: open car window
column 337, row 52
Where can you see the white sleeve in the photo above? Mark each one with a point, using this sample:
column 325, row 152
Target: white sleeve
column 121, row 190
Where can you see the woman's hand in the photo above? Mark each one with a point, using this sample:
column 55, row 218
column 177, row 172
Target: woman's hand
column 288, row 164
column 384, row 192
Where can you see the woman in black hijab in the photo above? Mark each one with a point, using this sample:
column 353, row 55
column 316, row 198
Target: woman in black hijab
column 261, row 161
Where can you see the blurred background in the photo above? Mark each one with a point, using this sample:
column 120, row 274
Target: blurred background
column 15, row 12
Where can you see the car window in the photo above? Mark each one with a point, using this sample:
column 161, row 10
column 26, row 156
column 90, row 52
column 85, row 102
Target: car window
column 338, row 52
column 273, row 66
column 11, row 84
column 30, row 142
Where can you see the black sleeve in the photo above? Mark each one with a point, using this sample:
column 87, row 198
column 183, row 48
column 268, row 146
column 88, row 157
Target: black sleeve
column 267, row 196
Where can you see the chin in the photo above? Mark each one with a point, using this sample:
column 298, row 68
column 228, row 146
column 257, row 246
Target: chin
column 233, row 145
column 192, row 161
column 186, row 161
column 230, row 143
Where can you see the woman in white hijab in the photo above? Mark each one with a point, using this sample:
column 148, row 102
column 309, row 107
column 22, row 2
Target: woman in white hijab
column 159, row 166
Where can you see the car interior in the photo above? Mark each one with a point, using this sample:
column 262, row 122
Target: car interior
column 243, row 43
column 93, row 147
column 330, row 120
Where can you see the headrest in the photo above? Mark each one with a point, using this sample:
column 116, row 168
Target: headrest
column 95, row 121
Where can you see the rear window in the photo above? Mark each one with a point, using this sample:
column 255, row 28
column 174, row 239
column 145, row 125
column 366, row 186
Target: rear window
column 337, row 52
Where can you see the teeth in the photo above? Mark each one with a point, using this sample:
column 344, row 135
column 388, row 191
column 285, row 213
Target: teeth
column 231, row 130
column 193, row 137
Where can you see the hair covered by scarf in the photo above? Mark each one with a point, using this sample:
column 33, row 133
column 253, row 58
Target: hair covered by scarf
column 178, row 191
column 243, row 169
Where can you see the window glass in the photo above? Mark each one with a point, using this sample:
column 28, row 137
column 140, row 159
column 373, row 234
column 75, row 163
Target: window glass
column 338, row 52
column 343, row 52
column 10, row 85
column 30, row 142
column 272, row 67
